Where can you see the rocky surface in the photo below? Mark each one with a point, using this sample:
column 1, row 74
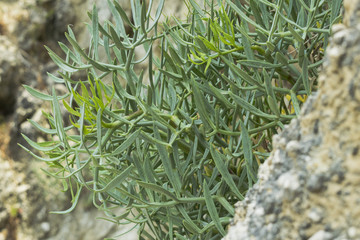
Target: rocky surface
column 11, row 73
column 309, row 186
column 26, row 199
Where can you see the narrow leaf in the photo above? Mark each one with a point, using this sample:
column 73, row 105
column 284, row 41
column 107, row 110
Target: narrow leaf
column 41, row 95
column 159, row 189
column 219, row 162
column 127, row 143
column 117, row 181
column 74, row 203
column 212, row 209
column 40, row 147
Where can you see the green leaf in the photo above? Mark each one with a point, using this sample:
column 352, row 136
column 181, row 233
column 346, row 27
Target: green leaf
column 82, row 53
column 219, row 162
column 61, row 63
column 59, row 157
column 71, row 34
column 244, row 16
column 95, row 33
column 176, row 56
column 44, row 147
column 281, row 58
column 172, row 75
column 58, row 120
column 117, row 40
column 56, row 79
column 258, row 64
column 171, row 173
column 305, row 76
column 248, row 155
column 212, row 209
column 74, row 202
column 220, row 96
column 226, row 205
column 302, row 54
column 268, row 84
column 295, row 103
column 107, row 44
column 123, row 14
column 127, row 143
column 256, row 11
column 70, row 54
column 197, row 8
column 41, row 95
column 159, row 189
column 187, row 222
column 143, row 17
column 245, row 76
column 208, row 44
column 47, row 130
column 273, row 105
column 98, row 129
column 151, row 139
column 247, row 106
column 157, row 15
column 116, row 181
column 203, row 108
column 190, row 227
column 295, row 34
column 70, row 109
column 246, row 43
column 335, row 9
column 120, row 90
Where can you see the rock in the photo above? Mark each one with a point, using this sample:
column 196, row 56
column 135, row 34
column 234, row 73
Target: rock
column 11, row 73
column 63, row 15
column 26, row 106
column 309, row 186
column 4, row 217
column 27, row 196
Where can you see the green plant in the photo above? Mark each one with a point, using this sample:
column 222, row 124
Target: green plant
column 178, row 148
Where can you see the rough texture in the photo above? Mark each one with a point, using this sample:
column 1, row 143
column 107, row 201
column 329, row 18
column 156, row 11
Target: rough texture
column 309, row 186
column 11, row 73
column 26, row 199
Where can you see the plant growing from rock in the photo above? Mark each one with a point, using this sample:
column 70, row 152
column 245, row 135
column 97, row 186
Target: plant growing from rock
column 178, row 145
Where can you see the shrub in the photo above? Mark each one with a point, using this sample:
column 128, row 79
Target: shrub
column 178, row 148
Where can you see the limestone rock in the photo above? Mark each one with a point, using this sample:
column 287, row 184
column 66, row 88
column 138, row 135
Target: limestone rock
column 309, row 187
column 11, row 73
column 27, row 196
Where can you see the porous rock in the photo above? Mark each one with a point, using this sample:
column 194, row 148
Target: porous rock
column 11, row 73
column 309, row 187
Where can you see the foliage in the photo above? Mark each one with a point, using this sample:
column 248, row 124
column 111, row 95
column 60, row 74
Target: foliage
column 179, row 147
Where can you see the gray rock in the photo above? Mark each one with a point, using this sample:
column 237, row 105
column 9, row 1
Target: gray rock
column 11, row 73
column 322, row 235
column 4, row 217
column 26, row 105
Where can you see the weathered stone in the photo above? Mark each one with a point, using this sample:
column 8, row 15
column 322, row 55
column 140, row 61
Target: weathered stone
column 26, row 106
column 309, row 185
column 11, row 73
column 4, row 217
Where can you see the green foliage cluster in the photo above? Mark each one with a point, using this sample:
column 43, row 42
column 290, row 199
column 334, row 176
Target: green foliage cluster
column 179, row 148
